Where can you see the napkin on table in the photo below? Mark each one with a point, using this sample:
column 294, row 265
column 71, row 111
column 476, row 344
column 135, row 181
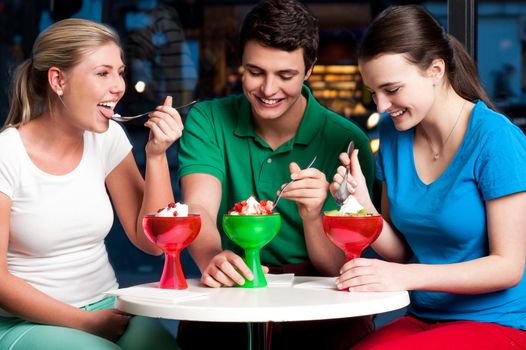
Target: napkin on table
column 154, row 293
column 279, row 280
column 319, row 283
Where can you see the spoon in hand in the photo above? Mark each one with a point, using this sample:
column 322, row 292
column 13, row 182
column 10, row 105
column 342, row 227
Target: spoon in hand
column 276, row 200
column 342, row 192
column 119, row 118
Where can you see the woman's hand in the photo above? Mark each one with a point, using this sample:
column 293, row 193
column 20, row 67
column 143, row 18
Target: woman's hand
column 227, row 269
column 165, row 126
column 371, row 275
column 108, row 323
column 355, row 181
column 309, row 191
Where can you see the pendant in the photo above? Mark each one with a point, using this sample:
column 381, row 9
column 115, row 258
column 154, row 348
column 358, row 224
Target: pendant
column 435, row 157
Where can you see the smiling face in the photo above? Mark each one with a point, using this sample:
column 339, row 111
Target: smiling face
column 272, row 81
column 400, row 88
column 93, row 87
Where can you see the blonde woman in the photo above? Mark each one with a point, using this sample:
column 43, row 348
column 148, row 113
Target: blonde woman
column 60, row 157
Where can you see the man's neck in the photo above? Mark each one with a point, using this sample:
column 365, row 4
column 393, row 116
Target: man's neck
column 276, row 132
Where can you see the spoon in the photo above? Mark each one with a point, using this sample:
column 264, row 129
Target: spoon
column 342, row 192
column 119, row 118
column 276, row 200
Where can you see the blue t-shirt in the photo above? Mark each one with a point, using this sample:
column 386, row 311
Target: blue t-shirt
column 444, row 222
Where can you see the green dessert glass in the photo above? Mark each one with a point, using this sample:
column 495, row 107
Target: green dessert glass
column 251, row 233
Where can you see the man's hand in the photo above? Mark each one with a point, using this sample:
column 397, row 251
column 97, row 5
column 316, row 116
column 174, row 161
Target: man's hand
column 227, row 269
column 309, row 191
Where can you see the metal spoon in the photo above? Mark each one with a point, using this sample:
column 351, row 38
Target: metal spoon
column 342, row 192
column 119, row 118
column 276, row 200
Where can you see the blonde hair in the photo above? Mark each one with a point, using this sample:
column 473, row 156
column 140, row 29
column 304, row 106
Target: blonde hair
column 62, row 45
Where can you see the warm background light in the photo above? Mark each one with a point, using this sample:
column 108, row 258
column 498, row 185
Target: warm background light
column 375, row 145
column 373, row 120
column 140, row 86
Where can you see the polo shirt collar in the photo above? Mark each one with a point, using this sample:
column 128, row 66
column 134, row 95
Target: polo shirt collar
column 312, row 119
column 309, row 126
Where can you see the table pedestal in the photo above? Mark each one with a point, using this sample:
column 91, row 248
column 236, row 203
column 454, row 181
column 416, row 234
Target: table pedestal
column 257, row 335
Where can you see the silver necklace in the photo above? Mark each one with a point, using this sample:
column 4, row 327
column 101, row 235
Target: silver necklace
column 436, row 154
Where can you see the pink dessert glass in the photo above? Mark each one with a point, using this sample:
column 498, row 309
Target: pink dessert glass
column 352, row 234
column 172, row 235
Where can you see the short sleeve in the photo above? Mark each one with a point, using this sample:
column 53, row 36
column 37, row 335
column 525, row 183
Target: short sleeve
column 200, row 150
column 386, row 133
column 379, row 169
column 8, row 165
column 116, row 146
column 501, row 167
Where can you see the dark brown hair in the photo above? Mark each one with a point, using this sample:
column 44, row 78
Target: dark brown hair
column 412, row 31
column 282, row 24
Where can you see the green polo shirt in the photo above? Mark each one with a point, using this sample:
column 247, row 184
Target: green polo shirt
column 219, row 139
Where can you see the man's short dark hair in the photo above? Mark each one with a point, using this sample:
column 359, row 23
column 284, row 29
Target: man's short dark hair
column 282, row 24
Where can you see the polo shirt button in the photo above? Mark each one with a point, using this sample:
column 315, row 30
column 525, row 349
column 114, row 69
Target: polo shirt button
column 269, row 160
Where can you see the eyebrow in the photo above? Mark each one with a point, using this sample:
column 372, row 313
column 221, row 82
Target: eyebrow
column 384, row 85
column 286, row 71
column 389, row 83
column 109, row 66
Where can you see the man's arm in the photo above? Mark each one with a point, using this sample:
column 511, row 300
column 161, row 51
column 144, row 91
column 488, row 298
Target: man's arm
column 309, row 191
column 202, row 193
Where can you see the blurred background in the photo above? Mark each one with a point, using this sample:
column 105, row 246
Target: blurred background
column 189, row 49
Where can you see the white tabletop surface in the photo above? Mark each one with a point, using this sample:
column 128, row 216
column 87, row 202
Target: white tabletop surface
column 292, row 302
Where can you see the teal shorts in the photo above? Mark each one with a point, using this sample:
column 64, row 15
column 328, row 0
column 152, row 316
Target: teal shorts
column 142, row 333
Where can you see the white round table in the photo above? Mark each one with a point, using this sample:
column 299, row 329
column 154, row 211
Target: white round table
column 258, row 306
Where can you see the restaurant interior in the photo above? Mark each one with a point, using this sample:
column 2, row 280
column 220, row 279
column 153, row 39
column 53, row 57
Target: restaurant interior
column 193, row 54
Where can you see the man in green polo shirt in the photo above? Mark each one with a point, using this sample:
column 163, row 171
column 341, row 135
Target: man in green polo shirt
column 251, row 144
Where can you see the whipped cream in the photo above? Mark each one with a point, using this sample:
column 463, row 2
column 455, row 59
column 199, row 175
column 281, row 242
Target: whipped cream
column 252, row 207
column 173, row 209
column 351, row 206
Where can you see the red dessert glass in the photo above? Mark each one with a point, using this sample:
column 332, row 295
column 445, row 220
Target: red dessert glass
column 352, row 234
column 172, row 235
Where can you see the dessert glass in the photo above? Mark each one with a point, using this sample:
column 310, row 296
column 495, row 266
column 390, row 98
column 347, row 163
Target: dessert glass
column 251, row 233
column 352, row 234
column 172, row 235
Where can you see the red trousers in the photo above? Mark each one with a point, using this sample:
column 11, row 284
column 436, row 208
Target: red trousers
column 410, row 333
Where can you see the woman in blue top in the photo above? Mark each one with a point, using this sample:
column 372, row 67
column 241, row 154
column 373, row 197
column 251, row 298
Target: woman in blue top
column 454, row 194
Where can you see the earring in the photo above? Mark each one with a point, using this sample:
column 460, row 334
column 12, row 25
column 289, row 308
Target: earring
column 60, row 92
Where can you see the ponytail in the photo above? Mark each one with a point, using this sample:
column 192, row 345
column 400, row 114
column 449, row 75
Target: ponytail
column 412, row 31
column 20, row 96
column 463, row 75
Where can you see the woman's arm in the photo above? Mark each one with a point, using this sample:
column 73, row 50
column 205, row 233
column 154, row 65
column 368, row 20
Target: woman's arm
column 134, row 198
column 503, row 267
column 21, row 299
column 126, row 187
column 389, row 244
